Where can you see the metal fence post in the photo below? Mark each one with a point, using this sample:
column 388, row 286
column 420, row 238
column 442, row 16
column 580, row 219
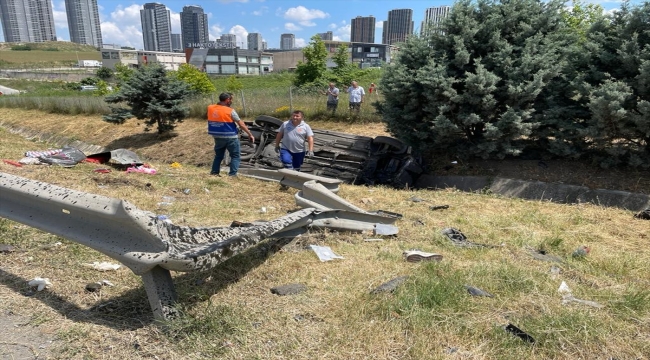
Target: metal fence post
column 290, row 99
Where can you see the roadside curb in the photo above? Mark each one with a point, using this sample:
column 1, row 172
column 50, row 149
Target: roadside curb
column 538, row 190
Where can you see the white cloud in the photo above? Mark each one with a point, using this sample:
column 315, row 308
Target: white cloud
column 242, row 35
column 215, row 32
column 232, row 1
column 112, row 33
column 60, row 17
column 292, row 27
column 128, row 15
column 332, row 26
column 261, row 11
column 342, row 33
column 176, row 21
column 300, row 42
column 379, row 24
column 304, row 16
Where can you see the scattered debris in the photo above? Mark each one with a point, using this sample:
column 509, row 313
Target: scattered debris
column 555, row 271
column 94, row 287
column 474, row 291
column 103, row 266
column 40, row 283
column 417, row 256
column 186, row 191
column 519, row 333
column 325, row 253
column 567, row 297
column 30, row 161
column 459, row 239
column 119, row 156
column 289, row 289
column 141, row 169
column 4, row 248
column 389, row 286
column 263, row 210
column 385, row 229
column 175, row 165
column 643, row 215
column 543, row 256
column 581, row 251
column 12, row 162
column 67, row 157
column 439, row 207
column 367, row 201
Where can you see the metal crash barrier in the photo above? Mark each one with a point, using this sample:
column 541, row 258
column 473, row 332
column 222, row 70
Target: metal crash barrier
column 148, row 246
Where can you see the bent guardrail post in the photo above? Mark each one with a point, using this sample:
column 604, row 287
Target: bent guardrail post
column 291, row 178
column 136, row 238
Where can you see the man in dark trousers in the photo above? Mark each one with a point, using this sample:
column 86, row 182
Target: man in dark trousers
column 222, row 125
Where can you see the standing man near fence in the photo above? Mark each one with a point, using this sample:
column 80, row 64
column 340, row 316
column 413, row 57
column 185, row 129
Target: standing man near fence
column 356, row 96
column 222, row 125
column 292, row 135
column 332, row 98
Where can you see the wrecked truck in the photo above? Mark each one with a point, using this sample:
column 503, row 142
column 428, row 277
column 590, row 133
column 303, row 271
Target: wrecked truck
column 354, row 159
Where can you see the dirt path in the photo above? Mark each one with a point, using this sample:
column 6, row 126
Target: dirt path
column 21, row 341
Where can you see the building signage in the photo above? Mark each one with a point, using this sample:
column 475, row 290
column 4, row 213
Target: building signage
column 372, row 55
column 211, row 45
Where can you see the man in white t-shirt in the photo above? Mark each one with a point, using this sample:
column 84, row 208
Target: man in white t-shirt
column 356, row 96
column 293, row 134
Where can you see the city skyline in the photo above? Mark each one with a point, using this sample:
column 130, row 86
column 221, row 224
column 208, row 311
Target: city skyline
column 120, row 20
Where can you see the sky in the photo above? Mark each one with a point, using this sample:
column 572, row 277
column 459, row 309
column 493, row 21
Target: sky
column 120, row 19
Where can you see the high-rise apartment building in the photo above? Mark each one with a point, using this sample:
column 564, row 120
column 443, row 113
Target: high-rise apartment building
column 27, row 20
column 398, row 26
column 433, row 16
column 156, row 27
column 194, row 25
column 83, row 22
column 265, row 45
column 287, row 41
column 326, row 36
column 228, row 41
column 255, row 42
column 363, row 29
column 177, row 43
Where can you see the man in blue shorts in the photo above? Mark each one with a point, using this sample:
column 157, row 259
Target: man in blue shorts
column 291, row 139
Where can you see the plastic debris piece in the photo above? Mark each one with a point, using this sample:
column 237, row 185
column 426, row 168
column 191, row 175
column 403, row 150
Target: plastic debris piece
column 567, row 297
column 643, row 215
column 103, row 266
column 519, row 333
column 385, row 229
column 417, row 256
column 263, row 210
column 389, row 286
column 176, row 165
column 459, row 239
column 186, row 191
column 325, row 253
column 12, row 162
column 580, row 252
column 555, row 271
column 40, row 283
column 474, row 291
column 30, row 161
column 141, row 169
column 36, row 154
column 438, row 207
column 107, row 283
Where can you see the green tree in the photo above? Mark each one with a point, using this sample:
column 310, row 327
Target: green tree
column 150, row 95
column 104, row 73
column 580, row 17
column 315, row 66
column 198, row 81
column 102, row 88
column 233, row 84
column 123, row 73
column 471, row 89
column 345, row 71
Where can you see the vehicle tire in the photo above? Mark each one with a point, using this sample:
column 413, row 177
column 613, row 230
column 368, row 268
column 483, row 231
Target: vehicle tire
column 270, row 121
column 395, row 146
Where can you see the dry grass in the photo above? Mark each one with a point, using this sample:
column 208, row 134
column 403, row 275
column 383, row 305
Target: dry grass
column 230, row 313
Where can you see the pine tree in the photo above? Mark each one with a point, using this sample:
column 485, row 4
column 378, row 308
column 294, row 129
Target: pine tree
column 150, row 95
column 471, row 88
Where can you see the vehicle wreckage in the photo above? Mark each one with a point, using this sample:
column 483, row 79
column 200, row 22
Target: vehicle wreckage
column 354, row 159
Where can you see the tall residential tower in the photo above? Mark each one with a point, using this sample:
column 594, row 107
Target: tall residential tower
column 287, row 41
column 27, row 20
column 156, row 27
column 398, row 26
column 83, row 22
column 363, row 29
column 194, row 25
column 433, row 16
column 255, row 41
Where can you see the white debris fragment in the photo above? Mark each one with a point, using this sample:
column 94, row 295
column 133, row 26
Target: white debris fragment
column 325, row 253
column 40, row 283
column 107, row 283
column 103, row 266
column 567, row 297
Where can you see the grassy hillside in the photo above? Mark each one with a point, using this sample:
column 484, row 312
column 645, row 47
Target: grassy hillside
column 229, row 313
column 48, row 54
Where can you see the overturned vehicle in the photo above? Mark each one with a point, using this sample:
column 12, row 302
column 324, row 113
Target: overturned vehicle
column 351, row 158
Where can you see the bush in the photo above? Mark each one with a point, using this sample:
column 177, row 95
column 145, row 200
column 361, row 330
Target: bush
column 21, row 48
